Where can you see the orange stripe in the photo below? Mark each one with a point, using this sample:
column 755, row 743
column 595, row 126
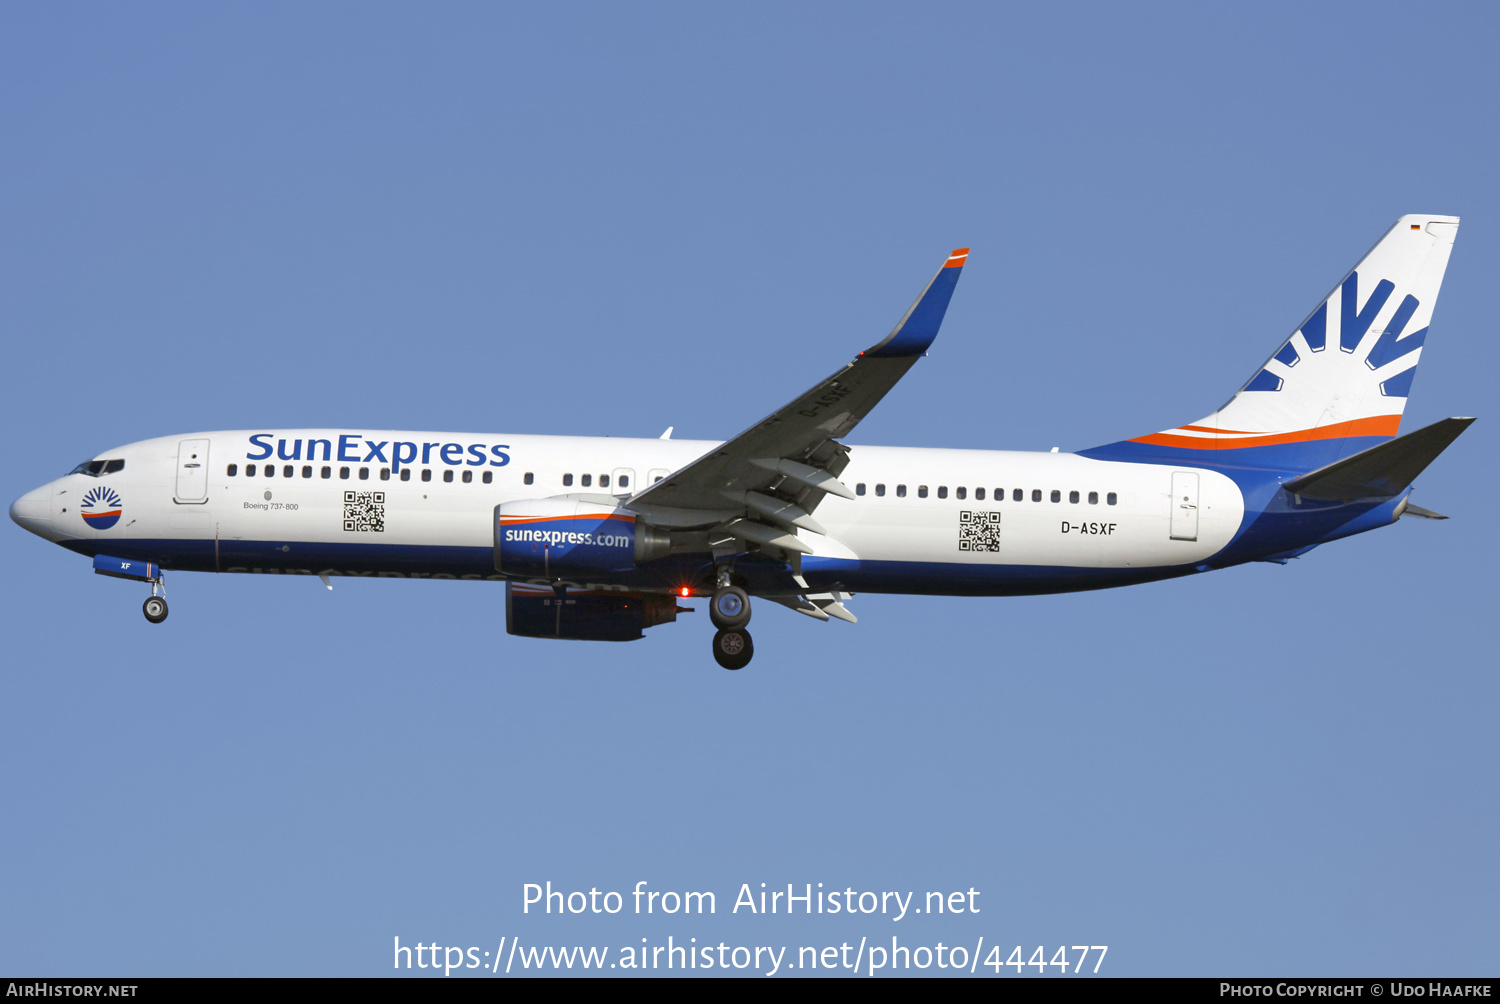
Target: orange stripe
column 1381, row 425
column 509, row 520
column 957, row 258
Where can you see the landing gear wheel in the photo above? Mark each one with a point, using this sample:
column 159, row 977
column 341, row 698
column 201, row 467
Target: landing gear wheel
column 729, row 608
column 733, row 648
column 155, row 609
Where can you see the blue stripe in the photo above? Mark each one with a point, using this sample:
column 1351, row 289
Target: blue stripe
column 1297, row 458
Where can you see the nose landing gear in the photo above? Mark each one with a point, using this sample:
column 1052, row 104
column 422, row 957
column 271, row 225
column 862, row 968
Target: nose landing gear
column 155, row 607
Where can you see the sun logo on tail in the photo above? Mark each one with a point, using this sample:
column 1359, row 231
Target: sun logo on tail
column 1390, row 344
column 101, row 508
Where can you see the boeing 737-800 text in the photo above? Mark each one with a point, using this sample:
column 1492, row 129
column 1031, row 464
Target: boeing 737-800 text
column 599, row 538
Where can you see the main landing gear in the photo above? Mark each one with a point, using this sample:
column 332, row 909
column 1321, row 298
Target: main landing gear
column 729, row 609
column 733, row 648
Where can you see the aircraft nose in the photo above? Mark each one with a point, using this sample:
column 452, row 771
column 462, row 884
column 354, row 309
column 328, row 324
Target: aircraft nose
column 33, row 511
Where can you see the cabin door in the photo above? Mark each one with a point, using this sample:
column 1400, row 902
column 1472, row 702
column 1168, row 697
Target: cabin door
column 192, row 471
column 1184, row 505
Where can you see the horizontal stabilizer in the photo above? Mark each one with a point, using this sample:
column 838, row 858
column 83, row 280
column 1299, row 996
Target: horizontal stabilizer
column 1381, row 471
column 1416, row 510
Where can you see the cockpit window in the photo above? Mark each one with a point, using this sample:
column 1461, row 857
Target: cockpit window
column 94, row 468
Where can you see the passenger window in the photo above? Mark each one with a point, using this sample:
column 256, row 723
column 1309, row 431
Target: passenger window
column 921, row 491
column 859, row 489
column 364, row 474
column 604, row 481
column 385, row 474
column 1111, row 498
column 585, row 480
column 1056, row 495
column 270, row 470
column 1036, row 494
column 249, row 470
column 624, row 480
column 288, row 471
column 307, row 471
column 448, row 476
column 489, row 476
column 567, row 481
column 468, row 477
column 658, row 478
column 961, row 492
column 426, row 474
column 406, row 474
column 880, row 490
column 942, row 491
column 979, row 494
column 1017, row 495
column 901, row 491
column 343, row 474
column 1093, row 498
column 232, row 469
column 529, row 478
column 327, row 473
column 1073, row 497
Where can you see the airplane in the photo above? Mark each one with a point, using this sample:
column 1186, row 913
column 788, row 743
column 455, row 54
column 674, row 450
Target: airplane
column 600, row 538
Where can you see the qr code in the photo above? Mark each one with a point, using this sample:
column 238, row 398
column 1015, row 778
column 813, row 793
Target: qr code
column 364, row 511
column 978, row 531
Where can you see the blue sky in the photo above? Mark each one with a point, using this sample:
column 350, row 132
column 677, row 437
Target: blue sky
column 608, row 219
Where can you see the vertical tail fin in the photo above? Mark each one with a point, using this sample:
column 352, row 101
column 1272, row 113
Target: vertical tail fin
column 1339, row 384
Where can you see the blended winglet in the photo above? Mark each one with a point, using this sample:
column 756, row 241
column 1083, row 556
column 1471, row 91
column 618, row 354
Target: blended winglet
column 918, row 328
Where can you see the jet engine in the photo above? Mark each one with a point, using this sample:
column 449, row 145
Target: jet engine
column 584, row 615
column 569, row 536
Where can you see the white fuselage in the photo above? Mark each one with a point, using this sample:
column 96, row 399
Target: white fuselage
column 195, row 496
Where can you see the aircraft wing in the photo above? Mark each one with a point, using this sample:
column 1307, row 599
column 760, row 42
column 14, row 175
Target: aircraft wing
column 775, row 472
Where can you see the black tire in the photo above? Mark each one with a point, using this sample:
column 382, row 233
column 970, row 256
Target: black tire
column 729, row 608
column 733, row 648
column 155, row 609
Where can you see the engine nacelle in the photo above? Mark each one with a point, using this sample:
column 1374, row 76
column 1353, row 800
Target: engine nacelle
column 556, row 537
column 583, row 615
